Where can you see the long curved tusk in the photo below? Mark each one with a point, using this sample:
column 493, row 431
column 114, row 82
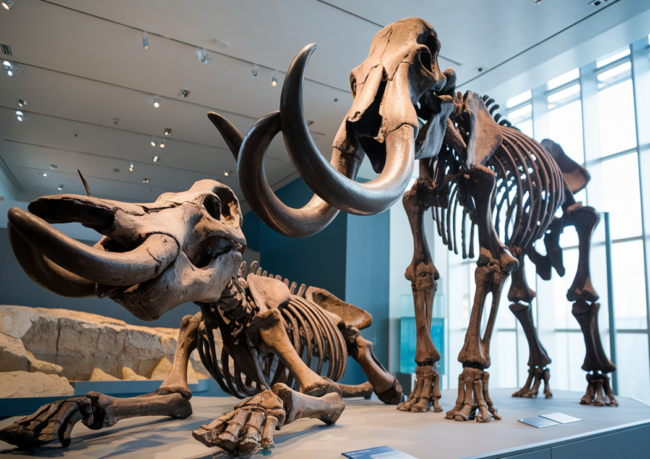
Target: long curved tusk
column 120, row 269
column 308, row 220
column 45, row 273
column 327, row 180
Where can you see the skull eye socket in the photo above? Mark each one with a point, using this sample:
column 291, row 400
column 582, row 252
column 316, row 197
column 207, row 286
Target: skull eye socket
column 353, row 85
column 212, row 205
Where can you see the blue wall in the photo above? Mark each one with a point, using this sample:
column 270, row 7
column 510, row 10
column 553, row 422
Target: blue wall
column 349, row 258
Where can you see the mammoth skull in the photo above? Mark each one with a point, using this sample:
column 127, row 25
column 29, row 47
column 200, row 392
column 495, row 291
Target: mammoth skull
column 182, row 247
column 398, row 83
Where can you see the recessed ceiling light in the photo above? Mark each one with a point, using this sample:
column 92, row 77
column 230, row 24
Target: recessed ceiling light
column 183, row 93
column 7, row 5
column 131, row 166
column 20, row 116
column 60, row 187
column 155, row 159
column 154, row 101
column 53, row 166
column 255, row 71
column 145, row 180
column 274, row 80
column 153, row 142
column 167, row 131
column 22, row 103
column 162, row 143
column 227, row 173
column 44, row 174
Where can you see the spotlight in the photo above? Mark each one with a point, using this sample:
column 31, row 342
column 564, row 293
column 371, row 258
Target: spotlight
column 145, row 180
column 227, row 173
column 7, row 5
column 167, row 131
column 60, row 187
column 202, row 56
column 161, row 144
column 274, row 80
column 154, row 101
column 131, row 166
column 10, row 68
column 53, row 166
column 145, row 40
column 22, row 103
column 155, row 159
column 153, row 142
column 255, row 71
column 44, row 174
column 20, row 116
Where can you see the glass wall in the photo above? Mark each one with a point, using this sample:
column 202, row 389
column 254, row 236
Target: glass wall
column 594, row 113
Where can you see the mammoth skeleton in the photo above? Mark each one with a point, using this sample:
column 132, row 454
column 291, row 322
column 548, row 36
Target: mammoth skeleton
column 187, row 247
column 506, row 184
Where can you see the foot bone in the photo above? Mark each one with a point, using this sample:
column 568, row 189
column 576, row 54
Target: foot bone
column 426, row 392
column 599, row 392
column 531, row 387
column 473, row 398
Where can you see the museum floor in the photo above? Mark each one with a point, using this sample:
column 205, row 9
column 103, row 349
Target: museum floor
column 620, row 432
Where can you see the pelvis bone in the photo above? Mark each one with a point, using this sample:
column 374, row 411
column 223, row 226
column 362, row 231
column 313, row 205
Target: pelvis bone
column 182, row 247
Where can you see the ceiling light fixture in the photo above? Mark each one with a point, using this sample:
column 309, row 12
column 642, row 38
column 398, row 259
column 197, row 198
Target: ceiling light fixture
column 183, row 93
column 202, row 56
column 145, row 180
column 22, row 103
column 227, row 173
column 222, row 43
column 20, row 116
column 53, row 166
column 255, row 71
column 145, row 40
column 7, row 5
column 161, row 144
column 44, row 174
column 274, row 79
column 131, row 166
column 155, row 159
column 60, row 187
column 10, row 68
column 154, row 101
column 153, row 142
column 167, row 131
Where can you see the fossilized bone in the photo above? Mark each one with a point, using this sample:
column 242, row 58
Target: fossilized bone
column 404, row 108
column 187, row 247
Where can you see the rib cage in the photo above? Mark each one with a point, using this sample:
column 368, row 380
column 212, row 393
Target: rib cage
column 529, row 190
column 312, row 331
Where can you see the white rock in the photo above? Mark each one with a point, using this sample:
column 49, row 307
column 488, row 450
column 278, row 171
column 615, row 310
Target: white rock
column 99, row 375
column 72, row 343
column 17, row 384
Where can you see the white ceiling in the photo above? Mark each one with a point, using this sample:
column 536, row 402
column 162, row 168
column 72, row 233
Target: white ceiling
column 84, row 65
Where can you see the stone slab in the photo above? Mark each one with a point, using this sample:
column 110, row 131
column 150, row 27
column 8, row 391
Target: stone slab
column 366, row 424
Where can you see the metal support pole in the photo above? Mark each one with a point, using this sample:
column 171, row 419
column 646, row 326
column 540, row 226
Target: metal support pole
column 610, row 302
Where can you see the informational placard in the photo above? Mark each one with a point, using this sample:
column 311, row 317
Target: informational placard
column 380, row 452
column 561, row 418
column 539, row 422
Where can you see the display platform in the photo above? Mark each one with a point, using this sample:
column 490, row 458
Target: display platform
column 605, row 432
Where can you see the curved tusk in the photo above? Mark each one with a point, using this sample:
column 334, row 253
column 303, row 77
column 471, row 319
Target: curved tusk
column 120, row 269
column 328, row 180
column 230, row 133
column 45, row 273
column 308, row 220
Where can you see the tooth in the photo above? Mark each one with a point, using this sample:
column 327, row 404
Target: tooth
column 133, row 288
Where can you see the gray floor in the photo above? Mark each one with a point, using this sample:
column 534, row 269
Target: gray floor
column 366, row 424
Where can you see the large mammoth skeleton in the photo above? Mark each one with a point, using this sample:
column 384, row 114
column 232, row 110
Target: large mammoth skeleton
column 506, row 184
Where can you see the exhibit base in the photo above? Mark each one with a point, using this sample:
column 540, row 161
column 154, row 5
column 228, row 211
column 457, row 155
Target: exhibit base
column 620, row 432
